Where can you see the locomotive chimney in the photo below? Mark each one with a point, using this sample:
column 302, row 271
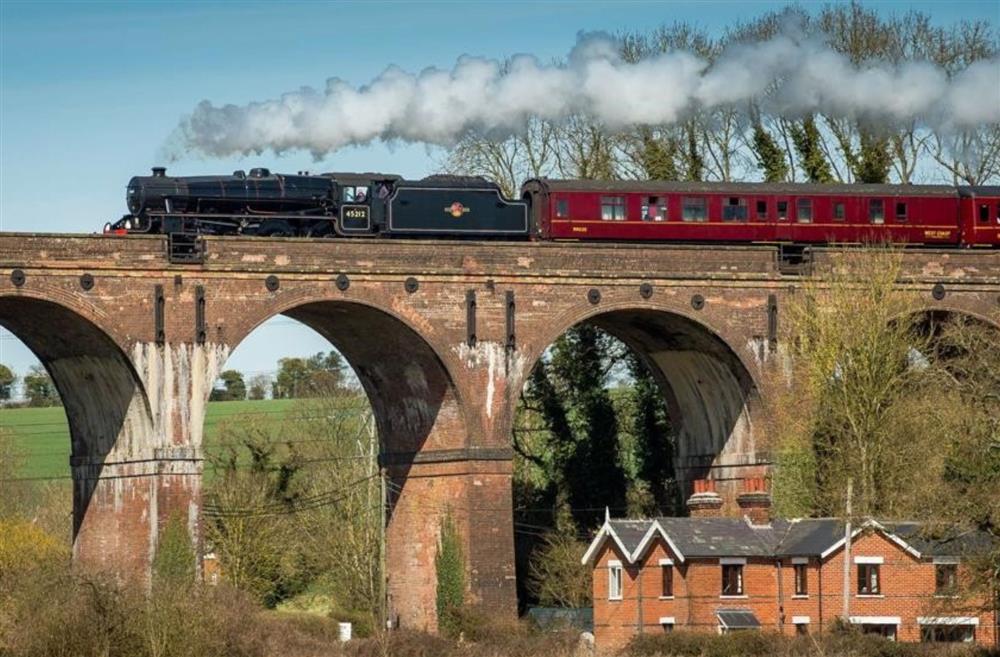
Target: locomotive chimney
column 159, row 172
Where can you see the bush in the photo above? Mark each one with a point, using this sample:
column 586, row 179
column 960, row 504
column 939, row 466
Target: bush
column 696, row 644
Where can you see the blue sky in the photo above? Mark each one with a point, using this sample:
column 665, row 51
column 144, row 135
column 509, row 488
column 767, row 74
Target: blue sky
column 89, row 92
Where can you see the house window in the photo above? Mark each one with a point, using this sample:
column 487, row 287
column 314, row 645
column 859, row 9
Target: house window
column 984, row 213
column 839, row 211
column 734, row 209
column 667, row 580
column 884, row 630
column 694, row 209
column 667, row 623
column 613, row 208
column 948, row 632
column 732, row 579
column 901, row 211
column 762, row 209
column 868, row 579
column 782, row 210
column 562, row 207
column 804, row 210
column 802, row 629
column 876, row 211
column 654, row 209
column 945, row 578
column 614, row 581
column 801, row 579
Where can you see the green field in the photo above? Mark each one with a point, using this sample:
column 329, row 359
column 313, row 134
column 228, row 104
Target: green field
column 41, row 435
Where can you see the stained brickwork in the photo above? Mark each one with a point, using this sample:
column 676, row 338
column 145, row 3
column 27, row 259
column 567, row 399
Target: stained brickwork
column 135, row 355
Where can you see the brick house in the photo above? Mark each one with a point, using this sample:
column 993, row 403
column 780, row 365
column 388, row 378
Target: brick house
column 715, row 574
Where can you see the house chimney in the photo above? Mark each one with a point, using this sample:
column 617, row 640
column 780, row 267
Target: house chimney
column 705, row 502
column 755, row 501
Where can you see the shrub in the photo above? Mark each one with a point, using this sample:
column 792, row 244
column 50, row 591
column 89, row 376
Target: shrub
column 450, row 564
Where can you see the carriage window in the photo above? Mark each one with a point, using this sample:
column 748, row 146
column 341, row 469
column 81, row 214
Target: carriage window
column 562, row 207
column 804, row 210
column 839, row 213
column 984, row 213
column 876, row 211
column 762, row 209
column 900, row 211
column 695, row 209
column 613, row 208
column 782, row 210
column 734, row 209
column 654, row 209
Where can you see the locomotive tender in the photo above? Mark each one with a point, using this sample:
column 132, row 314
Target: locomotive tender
column 372, row 204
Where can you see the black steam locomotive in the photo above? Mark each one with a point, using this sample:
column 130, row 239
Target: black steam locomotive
column 325, row 205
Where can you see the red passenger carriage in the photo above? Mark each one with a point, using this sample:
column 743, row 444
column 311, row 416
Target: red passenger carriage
column 760, row 212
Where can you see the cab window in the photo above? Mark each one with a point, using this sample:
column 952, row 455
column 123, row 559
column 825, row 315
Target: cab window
column 354, row 194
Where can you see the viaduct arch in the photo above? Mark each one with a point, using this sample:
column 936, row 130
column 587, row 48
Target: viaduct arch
column 443, row 337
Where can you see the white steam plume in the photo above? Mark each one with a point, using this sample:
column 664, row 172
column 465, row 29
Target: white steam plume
column 786, row 75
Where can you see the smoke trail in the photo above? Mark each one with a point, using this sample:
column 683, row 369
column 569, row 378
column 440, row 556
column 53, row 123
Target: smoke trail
column 785, row 75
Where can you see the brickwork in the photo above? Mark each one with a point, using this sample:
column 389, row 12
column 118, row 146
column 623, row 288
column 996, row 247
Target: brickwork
column 134, row 344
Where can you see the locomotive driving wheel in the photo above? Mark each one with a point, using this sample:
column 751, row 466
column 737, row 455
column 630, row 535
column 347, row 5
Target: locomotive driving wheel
column 276, row 228
column 322, row 229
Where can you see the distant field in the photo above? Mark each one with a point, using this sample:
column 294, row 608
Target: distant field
column 41, row 435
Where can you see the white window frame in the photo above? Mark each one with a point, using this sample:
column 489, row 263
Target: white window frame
column 615, row 577
column 869, row 560
column 667, row 563
column 800, row 620
column 734, row 561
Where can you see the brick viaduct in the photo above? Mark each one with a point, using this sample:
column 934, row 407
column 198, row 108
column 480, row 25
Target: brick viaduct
column 442, row 336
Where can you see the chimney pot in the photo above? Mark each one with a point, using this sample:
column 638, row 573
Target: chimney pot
column 755, row 501
column 705, row 502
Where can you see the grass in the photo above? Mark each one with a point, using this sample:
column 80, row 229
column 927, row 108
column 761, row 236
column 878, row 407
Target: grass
column 41, row 435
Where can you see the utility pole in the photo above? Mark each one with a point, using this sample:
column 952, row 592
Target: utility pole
column 847, row 553
column 384, row 502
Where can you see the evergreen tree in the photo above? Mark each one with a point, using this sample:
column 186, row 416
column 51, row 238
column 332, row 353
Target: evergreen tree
column 173, row 565
column 770, row 156
column 654, row 442
column 695, row 161
column 657, row 157
column 874, row 159
column 450, row 566
column 808, row 144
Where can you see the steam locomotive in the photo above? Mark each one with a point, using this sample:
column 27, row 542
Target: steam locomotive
column 328, row 205
column 373, row 204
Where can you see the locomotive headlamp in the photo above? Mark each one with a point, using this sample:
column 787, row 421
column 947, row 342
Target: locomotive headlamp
column 107, row 227
column 128, row 224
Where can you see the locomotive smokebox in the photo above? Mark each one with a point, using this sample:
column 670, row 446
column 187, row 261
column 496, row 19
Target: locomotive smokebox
column 159, row 172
